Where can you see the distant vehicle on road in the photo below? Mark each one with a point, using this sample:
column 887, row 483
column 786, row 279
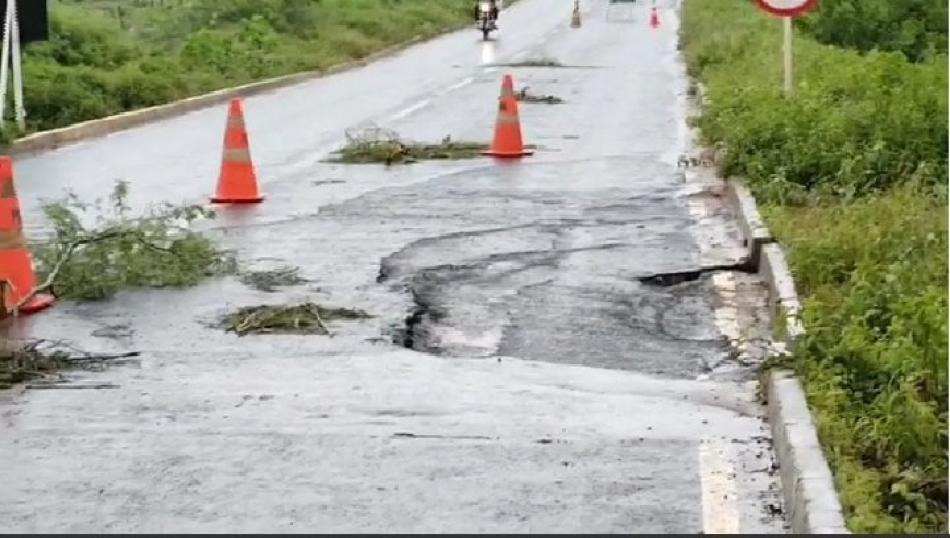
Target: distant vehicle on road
column 487, row 17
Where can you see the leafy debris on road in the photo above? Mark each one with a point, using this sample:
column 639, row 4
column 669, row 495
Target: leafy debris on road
column 63, row 385
column 23, row 364
column 41, row 359
column 269, row 281
column 121, row 251
column 376, row 145
column 306, row 318
column 525, row 97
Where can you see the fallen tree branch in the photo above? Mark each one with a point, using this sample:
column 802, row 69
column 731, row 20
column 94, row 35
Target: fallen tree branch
column 48, row 386
column 121, row 251
column 63, row 259
column 103, row 358
column 307, row 318
column 39, row 359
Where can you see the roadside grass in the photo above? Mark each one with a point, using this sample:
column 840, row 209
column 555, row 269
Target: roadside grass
column 851, row 172
column 110, row 56
column 873, row 273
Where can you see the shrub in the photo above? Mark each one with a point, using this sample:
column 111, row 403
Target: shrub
column 853, row 170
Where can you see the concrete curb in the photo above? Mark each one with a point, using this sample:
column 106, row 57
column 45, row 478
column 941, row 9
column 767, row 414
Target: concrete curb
column 811, row 500
column 784, row 304
column 47, row 140
column 755, row 233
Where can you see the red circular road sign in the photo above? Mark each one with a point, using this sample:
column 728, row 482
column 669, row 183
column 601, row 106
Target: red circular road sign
column 787, row 8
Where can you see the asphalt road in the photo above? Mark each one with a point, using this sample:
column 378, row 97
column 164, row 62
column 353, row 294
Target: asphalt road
column 524, row 370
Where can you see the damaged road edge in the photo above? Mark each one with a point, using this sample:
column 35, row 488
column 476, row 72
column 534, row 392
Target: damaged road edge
column 811, row 499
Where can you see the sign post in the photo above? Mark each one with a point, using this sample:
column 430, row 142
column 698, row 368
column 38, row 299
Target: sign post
column 11, row 45
column 5, row 61
column 787, row 9
column 19, row 108
column 23, row 23
column 787, row 23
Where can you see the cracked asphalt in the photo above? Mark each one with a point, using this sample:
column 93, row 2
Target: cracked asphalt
column 524, row 370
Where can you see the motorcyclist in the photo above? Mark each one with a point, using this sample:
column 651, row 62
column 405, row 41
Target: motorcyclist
column 494, row 10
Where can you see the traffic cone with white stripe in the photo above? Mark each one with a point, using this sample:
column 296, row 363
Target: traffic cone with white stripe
column 237, row 183
column 17, row 278
column 508, row 142
column 576, row 15
column 654, row 18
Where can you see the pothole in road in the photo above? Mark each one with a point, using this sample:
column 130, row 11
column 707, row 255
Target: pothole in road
column 665, row 327
column 415, row 334
column 672, row 279
column 667, row 280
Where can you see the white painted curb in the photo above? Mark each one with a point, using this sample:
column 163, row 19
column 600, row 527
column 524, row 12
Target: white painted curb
column 755, row 233
column 811, row 501
column 812, row 505
column 783, row 299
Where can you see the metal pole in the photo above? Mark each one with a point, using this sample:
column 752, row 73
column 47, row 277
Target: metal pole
column 787, row 21
column 5, row 62
column 17, row 72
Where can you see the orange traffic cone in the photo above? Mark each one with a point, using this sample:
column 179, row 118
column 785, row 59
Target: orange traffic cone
column 237, row 183
column 576, row 15
column 507, row 142
column 16, row 266
column 654, row 18
column 507, row 88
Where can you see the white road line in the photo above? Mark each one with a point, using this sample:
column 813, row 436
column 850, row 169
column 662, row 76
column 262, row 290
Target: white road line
column 409, row 110
column 426, row 102
column 458, row 85
column 720, row 495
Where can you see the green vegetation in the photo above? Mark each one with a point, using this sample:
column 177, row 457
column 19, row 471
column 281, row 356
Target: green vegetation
column 852, row 172
column 35, row 359
column 156, row 250
column 270, row 281
column 306, row 318
column 110, row 56
column 375, row 145
column 23, row 363
column 524, row 96
column 917, row 28
column 858, row 123
column 97, row 250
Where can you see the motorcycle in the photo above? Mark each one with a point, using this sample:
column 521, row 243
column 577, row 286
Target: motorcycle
column 486, row 20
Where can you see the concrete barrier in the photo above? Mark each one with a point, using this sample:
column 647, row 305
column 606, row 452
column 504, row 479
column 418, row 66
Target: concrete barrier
column 811, row 500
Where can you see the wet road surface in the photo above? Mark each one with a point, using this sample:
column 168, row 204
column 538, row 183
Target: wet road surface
column 524, row 371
